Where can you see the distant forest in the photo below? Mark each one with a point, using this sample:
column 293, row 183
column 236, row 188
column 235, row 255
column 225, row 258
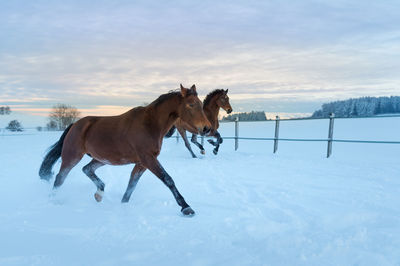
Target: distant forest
column 365, row 106
column 252, row 116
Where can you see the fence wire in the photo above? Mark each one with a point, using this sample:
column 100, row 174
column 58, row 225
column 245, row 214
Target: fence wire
column 317, row 140
column 28, row 131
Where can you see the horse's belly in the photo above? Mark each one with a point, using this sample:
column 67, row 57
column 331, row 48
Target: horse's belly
column 120, row 161
column 112, row 156
column 113, row 160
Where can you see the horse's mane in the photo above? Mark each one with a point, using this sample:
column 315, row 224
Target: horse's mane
column 163, row 97
column 211, row 95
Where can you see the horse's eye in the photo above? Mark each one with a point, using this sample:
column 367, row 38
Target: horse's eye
column 191, row 105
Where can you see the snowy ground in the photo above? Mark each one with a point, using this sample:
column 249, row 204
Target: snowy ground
column 252, row 207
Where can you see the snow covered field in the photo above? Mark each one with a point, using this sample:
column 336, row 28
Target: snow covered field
column 252, row 207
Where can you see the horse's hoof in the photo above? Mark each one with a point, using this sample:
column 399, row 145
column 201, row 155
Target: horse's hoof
column 188, row 211
column 203, row 152
column 98, row 195
column 215, row 152
column 124, row 200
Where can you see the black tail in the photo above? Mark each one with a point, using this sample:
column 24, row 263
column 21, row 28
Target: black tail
column 52, row 156
column 170, row 132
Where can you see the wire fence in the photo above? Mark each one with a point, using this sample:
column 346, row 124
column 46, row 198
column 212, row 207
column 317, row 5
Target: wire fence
column 276, row 139
column 329, row 140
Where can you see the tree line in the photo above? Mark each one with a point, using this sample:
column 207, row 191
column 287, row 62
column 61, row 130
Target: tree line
column 60, row 117
column 360, row 107
column 250, row 116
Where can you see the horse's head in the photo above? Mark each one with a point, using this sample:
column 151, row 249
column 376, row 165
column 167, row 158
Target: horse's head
column 191, row 111
column 223, row 101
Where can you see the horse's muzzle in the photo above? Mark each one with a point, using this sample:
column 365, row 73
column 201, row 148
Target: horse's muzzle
column 229, row 111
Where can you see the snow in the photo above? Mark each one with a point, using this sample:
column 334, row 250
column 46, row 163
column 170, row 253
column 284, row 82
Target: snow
column 253, row 207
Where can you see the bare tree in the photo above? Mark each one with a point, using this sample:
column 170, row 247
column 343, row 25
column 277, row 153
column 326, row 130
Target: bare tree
column 5, row 110
column 62, row 115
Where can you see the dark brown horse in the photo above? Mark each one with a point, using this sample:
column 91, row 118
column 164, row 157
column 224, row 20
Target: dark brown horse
column 133, row 137
column 212, row 103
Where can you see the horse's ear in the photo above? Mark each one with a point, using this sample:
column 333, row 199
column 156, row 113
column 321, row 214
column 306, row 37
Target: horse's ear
column 193, row 88
column 226, row 91
column 183, row 91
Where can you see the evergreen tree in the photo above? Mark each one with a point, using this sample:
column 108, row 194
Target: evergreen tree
column 14, row 126
column 361, row 107
column 252, row 116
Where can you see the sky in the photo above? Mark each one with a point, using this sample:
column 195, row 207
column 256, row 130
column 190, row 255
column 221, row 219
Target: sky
column 105, row 57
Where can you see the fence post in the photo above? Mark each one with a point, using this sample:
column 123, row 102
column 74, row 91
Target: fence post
column 236, row 133
column 330, row 134
column 276, row 134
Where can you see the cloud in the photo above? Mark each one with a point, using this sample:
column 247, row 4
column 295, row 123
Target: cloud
column 123, row 54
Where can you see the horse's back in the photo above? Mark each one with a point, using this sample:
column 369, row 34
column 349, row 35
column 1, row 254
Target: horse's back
column 113, row 127
column 109, row 138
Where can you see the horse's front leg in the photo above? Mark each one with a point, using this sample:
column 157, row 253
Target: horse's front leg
column 194, row 140
column 217, row 143
column 187, row 144
column 155, row 167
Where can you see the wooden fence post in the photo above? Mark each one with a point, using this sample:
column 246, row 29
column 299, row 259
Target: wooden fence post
column 276, row 134
column 236, row 133
column 330, row 135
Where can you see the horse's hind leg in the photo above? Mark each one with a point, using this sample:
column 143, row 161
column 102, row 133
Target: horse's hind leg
column 66, row 166
column 62, row 174
column 137, row 172
column 187, row 144
column 89, row 170
column 194, row 141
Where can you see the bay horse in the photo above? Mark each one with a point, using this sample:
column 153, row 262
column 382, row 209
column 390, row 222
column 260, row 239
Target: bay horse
column 212, row 103
column 132, row 137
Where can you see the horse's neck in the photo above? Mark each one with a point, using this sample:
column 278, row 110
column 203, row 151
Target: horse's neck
column 165, row 114
column 212, row 111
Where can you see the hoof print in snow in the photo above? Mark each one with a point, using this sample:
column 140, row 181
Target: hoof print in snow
column 189, row 212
